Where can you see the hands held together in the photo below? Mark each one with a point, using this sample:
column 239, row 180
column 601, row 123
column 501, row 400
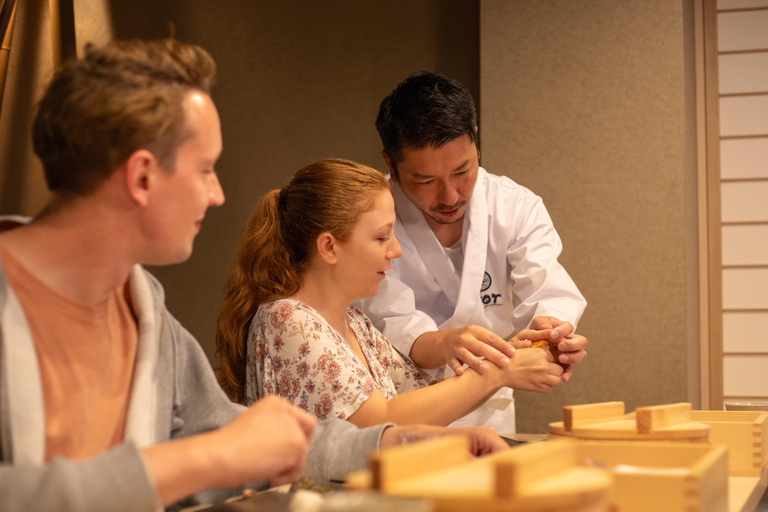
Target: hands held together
column 529, row 369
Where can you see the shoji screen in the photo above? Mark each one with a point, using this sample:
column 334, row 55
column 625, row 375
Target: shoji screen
column 743, row 77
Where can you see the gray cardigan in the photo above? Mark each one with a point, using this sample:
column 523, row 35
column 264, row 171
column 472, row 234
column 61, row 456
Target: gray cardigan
column 174, row 395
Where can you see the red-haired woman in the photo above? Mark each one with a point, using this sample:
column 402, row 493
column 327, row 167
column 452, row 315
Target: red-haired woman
column 286, row 327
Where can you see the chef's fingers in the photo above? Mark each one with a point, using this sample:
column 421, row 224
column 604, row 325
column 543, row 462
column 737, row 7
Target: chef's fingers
column 465, row 356
column 489, row 339
column 518, row 343
column 561, row 329
column 534, row 335
column 456, row 366
column 567, row 373
column 572, row 357
column 572, row 343
column 490, row 353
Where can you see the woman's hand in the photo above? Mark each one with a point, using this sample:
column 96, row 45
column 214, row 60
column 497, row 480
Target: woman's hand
column 532, row 369
column 482, row 440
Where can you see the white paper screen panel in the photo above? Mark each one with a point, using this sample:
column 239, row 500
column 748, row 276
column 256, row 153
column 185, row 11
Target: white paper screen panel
column 745, row 288
column 743, row 72
column 744, row 115
column 744, row 201
column 745, row 245
column 745, row 376
column 741, row 334
column 740, row 4
column 742, row 30
column 744, row 158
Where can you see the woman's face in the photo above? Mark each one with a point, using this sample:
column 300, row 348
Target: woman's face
column 365, row 257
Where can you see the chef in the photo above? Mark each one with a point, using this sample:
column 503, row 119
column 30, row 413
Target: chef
column 479, row 251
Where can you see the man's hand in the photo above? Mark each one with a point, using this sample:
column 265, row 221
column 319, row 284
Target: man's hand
column 483, row 440
column 268, row 442
column 467, row 345
column 571, row 345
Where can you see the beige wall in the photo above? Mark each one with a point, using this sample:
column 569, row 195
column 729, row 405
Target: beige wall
column 583, row 102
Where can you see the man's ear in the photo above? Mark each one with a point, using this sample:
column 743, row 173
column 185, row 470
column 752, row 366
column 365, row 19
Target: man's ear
column 392, row 171
column 326, row 247
column 140, row 169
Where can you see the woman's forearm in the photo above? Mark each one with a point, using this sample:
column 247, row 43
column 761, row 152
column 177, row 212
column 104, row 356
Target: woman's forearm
column 438, row 404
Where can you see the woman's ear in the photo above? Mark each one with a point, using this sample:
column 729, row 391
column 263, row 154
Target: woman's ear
column 326, row 248
column 139, row 173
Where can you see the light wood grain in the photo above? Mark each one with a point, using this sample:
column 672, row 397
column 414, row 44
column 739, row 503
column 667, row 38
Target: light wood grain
column 537, row 477
column 579, row 476
column 607, row 421
column 588, row 414
column 409, row 461
column 651, row 419
column 745, row 433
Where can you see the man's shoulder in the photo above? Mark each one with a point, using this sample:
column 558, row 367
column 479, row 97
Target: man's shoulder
column 506, row 187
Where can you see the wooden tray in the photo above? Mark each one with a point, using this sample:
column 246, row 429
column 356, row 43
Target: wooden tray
column 661, row 476
column 746, row 435
column 555, row 476
column 534, row 478
column 608, row 422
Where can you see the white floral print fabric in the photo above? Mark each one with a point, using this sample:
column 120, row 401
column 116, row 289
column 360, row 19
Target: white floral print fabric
column 292, row 352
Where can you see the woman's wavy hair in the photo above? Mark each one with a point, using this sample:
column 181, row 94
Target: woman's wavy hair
column 277, row 244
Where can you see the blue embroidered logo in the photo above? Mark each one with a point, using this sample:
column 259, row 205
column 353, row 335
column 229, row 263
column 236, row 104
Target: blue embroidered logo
column 486, row 282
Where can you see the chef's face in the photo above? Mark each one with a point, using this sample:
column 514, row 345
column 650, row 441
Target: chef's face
column 438, row 180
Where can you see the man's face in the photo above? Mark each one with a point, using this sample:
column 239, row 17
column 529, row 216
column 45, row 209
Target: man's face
column 439, row 181
column 183, row 195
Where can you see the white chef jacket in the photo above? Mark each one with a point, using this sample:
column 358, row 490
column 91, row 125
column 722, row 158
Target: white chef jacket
column 510, row 275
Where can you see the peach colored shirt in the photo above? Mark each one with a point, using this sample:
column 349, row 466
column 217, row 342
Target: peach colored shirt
column 86, row 355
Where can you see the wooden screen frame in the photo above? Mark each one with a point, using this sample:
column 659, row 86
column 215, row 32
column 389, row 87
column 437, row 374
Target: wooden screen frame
column 709, row 213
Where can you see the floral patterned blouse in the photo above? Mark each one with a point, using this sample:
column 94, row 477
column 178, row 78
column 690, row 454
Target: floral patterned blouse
column 292, row 352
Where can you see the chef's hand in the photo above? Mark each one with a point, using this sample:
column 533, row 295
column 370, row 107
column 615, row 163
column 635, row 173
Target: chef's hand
column 571, row 345
column 465, row 345
column 483, row 440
